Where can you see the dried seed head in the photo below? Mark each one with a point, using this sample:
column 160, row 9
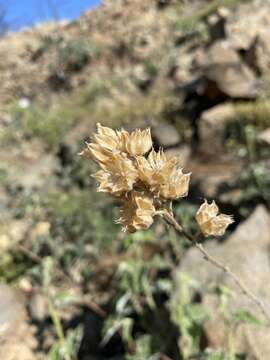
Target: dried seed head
column 117, row 176
column 139, row 142
column 177, row 186
column 163, row 175
column 106, row 142
column 106, row 138
column 210, row 222
column 126, row 173
column 97, row 153
column 137, row 212
column 153, row 169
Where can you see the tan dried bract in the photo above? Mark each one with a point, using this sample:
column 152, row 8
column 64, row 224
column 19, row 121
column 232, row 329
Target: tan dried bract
column 163, row 175
column 210, row 222
column 137, row 212
column 138, row 142
column 117, row 175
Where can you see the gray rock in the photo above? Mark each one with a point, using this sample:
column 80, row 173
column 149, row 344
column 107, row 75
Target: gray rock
column 215, row 176
column 11, row 309
column 5, row 119
column 230, row 75
column 166, row 135
column 212, row 125
column 12, row 232
column 28, row 165
column 16, row 335
column 38, row 307
column 246, row 252
column 142, row 77
column 255, row 18
column 219, row 71
column 183, row 152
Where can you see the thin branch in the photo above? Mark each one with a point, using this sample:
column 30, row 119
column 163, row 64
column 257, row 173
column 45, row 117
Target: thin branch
column 170, row 219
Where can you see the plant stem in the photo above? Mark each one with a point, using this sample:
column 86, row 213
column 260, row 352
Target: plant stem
column 58, row 328
column 170, row 219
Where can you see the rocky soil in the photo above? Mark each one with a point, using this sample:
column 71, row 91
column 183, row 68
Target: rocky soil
column 198, row 73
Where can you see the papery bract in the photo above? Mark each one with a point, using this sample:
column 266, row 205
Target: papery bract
column 163, row 175
column 137, row 212
column 117, row 175
column 138, row 142
column 210, row 222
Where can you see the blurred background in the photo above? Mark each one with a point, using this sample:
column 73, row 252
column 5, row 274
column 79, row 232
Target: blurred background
column 73, row 286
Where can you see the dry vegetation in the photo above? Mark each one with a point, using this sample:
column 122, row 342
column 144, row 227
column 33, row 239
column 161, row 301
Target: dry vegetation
column 197, row 73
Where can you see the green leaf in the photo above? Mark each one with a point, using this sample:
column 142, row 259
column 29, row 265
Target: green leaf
column 64, row 298
column 246, row 317
column 54, row 352
column 197, row 313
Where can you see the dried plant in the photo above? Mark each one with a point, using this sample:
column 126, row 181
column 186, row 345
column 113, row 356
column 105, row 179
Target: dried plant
column 146, row 181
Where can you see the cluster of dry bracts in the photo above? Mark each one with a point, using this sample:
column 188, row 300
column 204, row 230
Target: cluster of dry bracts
column 143, row 179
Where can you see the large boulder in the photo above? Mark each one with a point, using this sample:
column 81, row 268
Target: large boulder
column 224, row 73
column 249, row 33
column 246, row 252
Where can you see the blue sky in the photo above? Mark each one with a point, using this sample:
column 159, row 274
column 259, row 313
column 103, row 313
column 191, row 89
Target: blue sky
column 20, row 13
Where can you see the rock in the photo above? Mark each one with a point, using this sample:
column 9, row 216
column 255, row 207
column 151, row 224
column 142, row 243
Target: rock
column 4, row 243
column 233, row 197
column 143, row 78
column 28, row 165
column 215, row 177
column 258, row 53
column 217, row 53
column 25, row 285
column 212, row 126
column 12, row 232
column 11, row 309
column 179, row 71
column 249, row 33
column 38, row 307
column 222, row 73
column 246, row 251
column 5, row 120
column 42, row 228
column 223, row 67
column 183, row 152
column 212, row 184
column 264, row 136
column 16, row 335
column 166, row 135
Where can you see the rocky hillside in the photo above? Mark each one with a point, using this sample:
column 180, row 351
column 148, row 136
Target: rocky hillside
column 198, row 73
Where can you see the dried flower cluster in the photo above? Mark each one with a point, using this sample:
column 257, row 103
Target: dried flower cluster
column 210, row 222
column 143, row 183
column 144, row 179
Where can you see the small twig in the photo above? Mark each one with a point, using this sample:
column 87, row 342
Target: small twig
column 169, row 218
column 38, row 260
